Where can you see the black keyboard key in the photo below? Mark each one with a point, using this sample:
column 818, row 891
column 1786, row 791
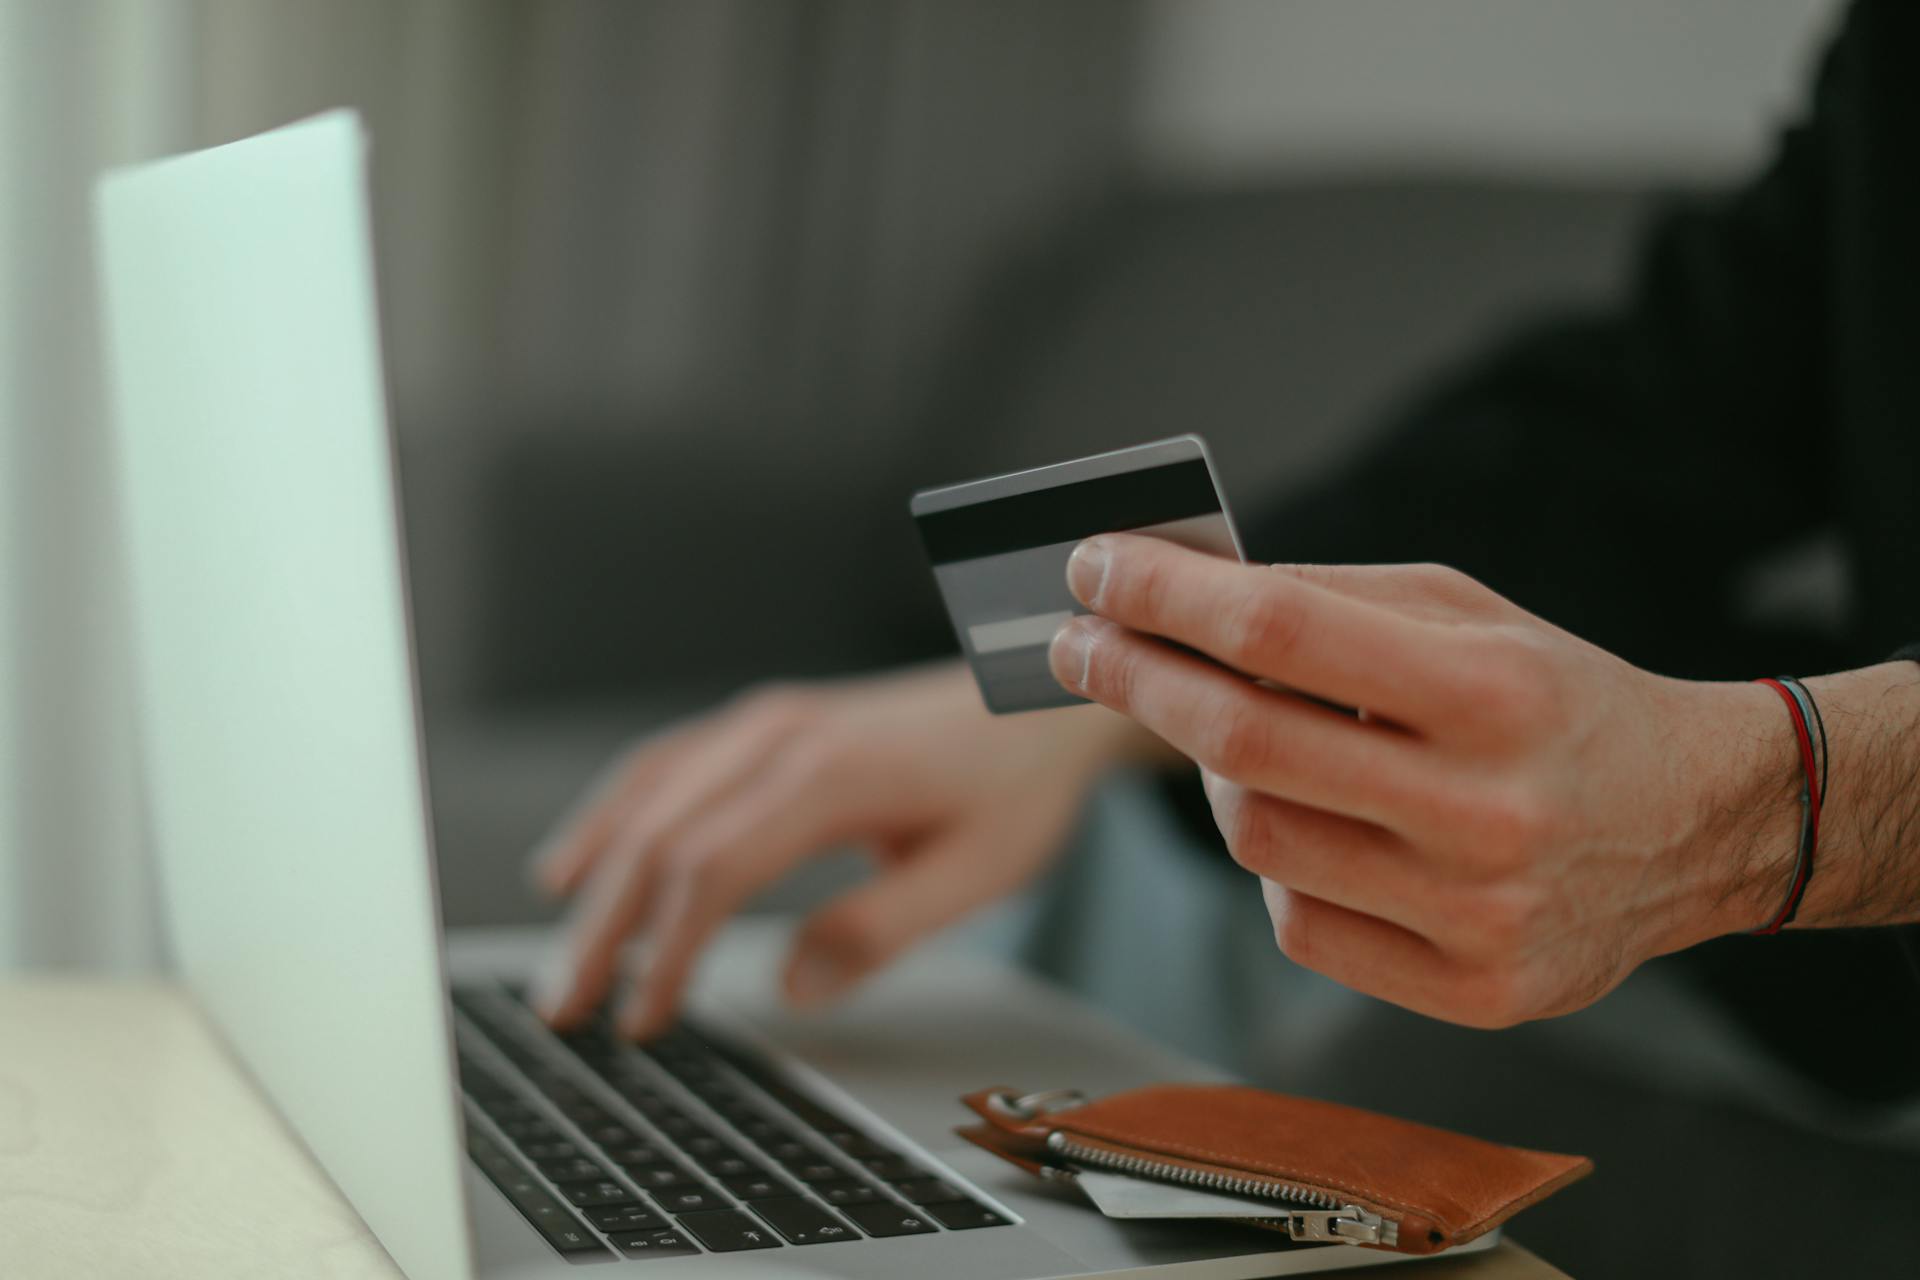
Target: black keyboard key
column 573, row 1170
column 885, row 1218
column 729, row 1230
column 516, row 1182
column 613, row 1135
column 588, row 1195
column 506, row 1110
column 765, row 1132
column 661, row 1177
column 849, row 1191
column 788, row 1151
column 705, row 1144
column 637, row 1155
column 560, row 1228
column 552, row 1149
column 587, row 1115
column 679, row 1126
column 859, row 1146
column 964, row 1215
column 820, row 1118
column 740, row 1114
column 650, row 1104
column 528, row 1129
column 757, row 1188
column 731, row 1165
column 927, row 1191
column 817, row 1171
column 625, row 1217
column 484, row 1089
column 679, row 1200
column 893, row 1168
column 804, row 1222
column 655, row 1244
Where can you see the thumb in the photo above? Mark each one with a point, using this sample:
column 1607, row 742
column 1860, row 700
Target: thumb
column 861, row 930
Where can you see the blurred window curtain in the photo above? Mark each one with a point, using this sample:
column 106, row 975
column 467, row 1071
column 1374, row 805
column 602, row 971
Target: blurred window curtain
column 82, row 85
column 755, row 223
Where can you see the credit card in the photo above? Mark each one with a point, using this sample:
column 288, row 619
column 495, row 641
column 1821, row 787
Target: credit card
column 999, row 549
column 1119, row 1196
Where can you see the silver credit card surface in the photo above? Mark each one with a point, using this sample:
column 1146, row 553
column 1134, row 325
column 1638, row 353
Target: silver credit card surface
column 1119, row 1196
column 999, row 549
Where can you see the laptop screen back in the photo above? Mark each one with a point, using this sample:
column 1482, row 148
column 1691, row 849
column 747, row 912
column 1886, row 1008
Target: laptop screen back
column 277, row 698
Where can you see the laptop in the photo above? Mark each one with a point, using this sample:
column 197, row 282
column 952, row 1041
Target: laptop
column 283, row 761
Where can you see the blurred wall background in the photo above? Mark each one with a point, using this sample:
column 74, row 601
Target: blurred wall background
column 682, row 297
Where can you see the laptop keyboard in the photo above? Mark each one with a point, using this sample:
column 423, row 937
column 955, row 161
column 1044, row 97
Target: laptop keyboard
column 684, row 1145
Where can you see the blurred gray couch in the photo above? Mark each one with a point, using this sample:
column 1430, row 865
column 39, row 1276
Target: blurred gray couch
column 623, row 575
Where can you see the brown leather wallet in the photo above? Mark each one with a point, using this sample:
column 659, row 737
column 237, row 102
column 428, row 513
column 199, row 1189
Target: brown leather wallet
column 1334, row 1173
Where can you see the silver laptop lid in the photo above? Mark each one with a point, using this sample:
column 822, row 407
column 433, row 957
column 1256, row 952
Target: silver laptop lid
column 277, row 696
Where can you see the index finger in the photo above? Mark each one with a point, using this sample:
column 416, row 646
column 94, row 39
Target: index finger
column 1275, row 626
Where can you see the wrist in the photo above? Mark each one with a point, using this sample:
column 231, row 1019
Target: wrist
column 1741, row 825
column 1743, row 844
column 1868, row 869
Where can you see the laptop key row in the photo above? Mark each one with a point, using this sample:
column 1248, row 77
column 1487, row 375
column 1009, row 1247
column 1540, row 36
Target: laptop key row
column 701, row 1065
column 558, row 1225
column 589, row 1185
column 579, row 1186
column 692, row 1060
column 767, row 1174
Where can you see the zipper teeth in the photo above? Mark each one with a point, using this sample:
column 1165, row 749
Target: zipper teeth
column 1264, row 1187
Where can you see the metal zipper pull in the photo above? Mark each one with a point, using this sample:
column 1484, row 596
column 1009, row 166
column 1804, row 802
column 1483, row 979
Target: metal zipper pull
column 1349, row 1224
column 1031, row 1106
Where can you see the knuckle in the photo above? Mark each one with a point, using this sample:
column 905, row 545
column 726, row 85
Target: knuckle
column 1512, row 823
column 1445, row 586
column 1503, row 921
column 820, row 751
column 1314, row 575
column 779, row 705
column 1235, row 739
column 1441, row 579
column 1516, row 688
column 1293, row 935
column 856, row 937
column 696, row 866
column 1264, row 622
column 1246, row 827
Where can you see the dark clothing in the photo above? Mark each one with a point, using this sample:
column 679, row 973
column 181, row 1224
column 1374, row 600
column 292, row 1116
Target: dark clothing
column 1619, row 474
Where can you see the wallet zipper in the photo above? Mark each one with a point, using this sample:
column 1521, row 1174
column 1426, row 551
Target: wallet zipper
column 1311, row 1214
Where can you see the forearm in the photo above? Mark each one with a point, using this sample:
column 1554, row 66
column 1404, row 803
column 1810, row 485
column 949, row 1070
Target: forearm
column 1868, row 867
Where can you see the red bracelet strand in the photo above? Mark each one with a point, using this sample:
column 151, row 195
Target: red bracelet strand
column 1812, row 793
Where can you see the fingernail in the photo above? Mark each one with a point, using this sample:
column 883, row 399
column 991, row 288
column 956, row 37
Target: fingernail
column 1087, row 571
column 817, row 979
column 1071, row 653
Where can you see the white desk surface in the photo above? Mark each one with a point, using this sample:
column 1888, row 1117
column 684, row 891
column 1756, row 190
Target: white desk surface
column 131, row 1146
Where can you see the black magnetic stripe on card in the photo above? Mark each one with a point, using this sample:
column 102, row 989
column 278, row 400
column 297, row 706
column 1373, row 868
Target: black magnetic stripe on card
column 1068, row 512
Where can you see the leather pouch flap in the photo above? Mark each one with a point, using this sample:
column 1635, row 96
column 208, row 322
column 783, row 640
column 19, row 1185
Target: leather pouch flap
column 1443, row 1188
